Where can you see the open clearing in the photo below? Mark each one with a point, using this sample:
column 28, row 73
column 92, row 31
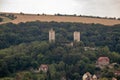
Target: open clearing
column 49, row 18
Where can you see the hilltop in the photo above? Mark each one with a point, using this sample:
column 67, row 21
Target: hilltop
column 21, row 17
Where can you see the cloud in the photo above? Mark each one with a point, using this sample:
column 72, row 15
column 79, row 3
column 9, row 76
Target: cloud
column 40, row 6
column 1, row 3
column 99, row 8
column 84, row 7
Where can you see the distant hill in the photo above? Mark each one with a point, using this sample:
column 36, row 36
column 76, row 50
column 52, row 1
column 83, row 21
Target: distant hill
column 21, row 17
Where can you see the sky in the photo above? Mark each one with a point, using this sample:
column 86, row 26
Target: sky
column 102, row 8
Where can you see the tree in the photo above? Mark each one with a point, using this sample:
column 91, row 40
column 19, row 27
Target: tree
column 3, row 69
column 1, row 19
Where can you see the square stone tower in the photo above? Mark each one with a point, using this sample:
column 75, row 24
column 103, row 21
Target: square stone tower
column 51, row 35
column 76, row 36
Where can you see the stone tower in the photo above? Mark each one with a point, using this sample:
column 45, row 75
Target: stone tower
column 51, row 35
column 76, row 36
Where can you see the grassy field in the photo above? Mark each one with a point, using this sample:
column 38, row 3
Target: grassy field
column 48, row 18
column 5, row 19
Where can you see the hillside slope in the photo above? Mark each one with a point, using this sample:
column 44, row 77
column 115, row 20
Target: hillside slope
column 5, row 19
column 48, row 18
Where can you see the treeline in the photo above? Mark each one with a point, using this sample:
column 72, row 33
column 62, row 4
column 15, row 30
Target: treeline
column 91, row 34
column 10, row 16
column 75, row 15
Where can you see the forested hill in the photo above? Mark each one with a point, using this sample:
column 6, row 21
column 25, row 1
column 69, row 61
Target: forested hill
column 91, row 34
column 25, row 46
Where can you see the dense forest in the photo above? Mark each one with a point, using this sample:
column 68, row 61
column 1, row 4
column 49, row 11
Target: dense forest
column 25, row 45
column 91, row 34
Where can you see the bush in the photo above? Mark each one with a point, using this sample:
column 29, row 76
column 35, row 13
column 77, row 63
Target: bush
column 1, row 19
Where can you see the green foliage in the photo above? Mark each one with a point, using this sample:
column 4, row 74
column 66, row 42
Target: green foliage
column 26, row 45
column 59, row 58
column 1, row 19
column 91, row 34
column 10, row 16
column 7, row 78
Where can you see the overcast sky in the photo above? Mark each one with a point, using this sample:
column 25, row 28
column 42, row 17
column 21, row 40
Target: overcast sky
column 109, row 8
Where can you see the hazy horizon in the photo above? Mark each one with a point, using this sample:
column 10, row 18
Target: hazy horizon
column 102, row 8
